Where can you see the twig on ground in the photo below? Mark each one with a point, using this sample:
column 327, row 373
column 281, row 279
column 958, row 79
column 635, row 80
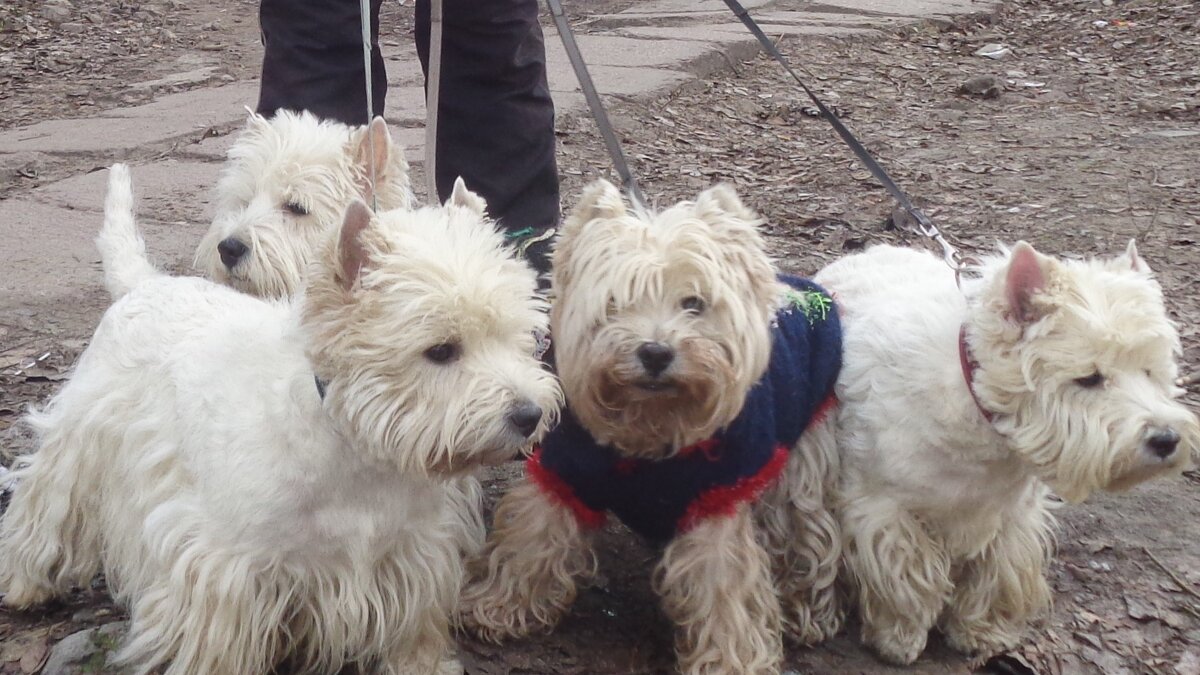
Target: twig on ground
column 1185, row 586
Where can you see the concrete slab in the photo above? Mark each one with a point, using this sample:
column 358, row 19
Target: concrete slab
column 777, row 29
column 616, row 80
column 97, row 134
column 917, row 9
column 211, row 149
column 830, row 19
column 205, row 107
column 168, row 190
column 50, row 254
column 405, row 105
column 169, row 118
column 660, row 7
column 615, row 50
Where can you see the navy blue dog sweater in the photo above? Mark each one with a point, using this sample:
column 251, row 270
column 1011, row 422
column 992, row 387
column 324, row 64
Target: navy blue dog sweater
column 660, row 498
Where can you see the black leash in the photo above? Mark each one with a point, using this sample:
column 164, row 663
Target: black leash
column 923, row 224
column 594, row 103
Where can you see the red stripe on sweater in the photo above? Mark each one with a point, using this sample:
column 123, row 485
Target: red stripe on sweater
column 723, row 500
column 558, row 490
column 822, row 410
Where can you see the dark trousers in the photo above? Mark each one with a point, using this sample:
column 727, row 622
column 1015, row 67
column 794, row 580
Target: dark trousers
column 495, row 117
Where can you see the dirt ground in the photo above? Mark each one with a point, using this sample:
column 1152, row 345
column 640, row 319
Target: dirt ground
column 1090, row 137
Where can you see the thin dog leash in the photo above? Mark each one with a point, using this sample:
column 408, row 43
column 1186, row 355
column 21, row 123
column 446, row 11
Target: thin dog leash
column 433, row 90
column 364, row 11
column 920, row 222
column 433, row 82
column 594, row 103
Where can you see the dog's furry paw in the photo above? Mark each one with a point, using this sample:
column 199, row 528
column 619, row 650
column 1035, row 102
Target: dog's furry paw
column 980, row 641
column 897, row 647
column 494, row 616
column 808, row 629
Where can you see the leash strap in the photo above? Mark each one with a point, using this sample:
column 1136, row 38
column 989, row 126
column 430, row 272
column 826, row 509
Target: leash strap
column 433, row 91
column 364, row 10
column 921, row 223
column 594, row 103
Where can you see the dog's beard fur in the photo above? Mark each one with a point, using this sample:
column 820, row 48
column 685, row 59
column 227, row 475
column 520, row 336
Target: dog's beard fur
column 689, row 406
column 619, row 281
column 295, row 161
column 1087, row 318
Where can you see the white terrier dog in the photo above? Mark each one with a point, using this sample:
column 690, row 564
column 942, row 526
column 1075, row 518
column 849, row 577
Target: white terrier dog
column 262, row 482
column 959, row 411
column 697, row 381
column 284, row 188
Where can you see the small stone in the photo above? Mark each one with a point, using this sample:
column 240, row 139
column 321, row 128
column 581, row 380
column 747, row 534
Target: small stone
column 993, row 50
column 72, row 28
column 981, row 86
column 82, row 647
column 56, row 11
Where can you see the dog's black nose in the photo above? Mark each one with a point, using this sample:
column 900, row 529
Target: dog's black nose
column 231, row 251
column 525, row 417
column 655, row 357
column 1163, row 442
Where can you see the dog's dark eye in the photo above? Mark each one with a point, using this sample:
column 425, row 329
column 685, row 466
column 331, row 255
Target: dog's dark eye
column 296, row 208
column 693, row 304
column 443, row 353
column 1091, row 381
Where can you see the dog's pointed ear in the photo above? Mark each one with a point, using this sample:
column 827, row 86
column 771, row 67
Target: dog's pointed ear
column 600, row 200
column 1130, row 260
column 724, row 199
column 1025, row 279
column 372, row 148
column 352, row 251
column 723, row 210
column 462, row 197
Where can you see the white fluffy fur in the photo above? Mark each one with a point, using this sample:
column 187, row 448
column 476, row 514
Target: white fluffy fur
column 245, row 520
column 946, row 516
column 732, row 585
column 296, row 159
column 126, row 264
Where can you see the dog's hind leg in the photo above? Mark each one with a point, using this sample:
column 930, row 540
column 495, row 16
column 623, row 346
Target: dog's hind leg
column 525, row 579
column 1001, row 589
column 716, row 585
column 804, row 538
column 47, row 538
column 900, row 573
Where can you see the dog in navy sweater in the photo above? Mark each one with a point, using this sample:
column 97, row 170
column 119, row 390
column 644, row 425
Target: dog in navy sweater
column 697, row 381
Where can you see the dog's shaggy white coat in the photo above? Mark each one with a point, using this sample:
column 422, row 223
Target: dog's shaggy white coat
column 285, row 185
column 947, row 515
column 245, row 519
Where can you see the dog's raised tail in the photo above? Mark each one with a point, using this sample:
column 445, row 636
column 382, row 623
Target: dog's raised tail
column 122, row 249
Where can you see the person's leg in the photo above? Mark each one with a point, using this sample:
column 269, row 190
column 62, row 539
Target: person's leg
column 496, row 121
column 313, row 59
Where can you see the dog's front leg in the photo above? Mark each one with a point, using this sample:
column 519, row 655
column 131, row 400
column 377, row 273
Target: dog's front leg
column 716, row 585
column 525, row 579
column 803, row 538
column 900, row 572
column 1003, row 588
